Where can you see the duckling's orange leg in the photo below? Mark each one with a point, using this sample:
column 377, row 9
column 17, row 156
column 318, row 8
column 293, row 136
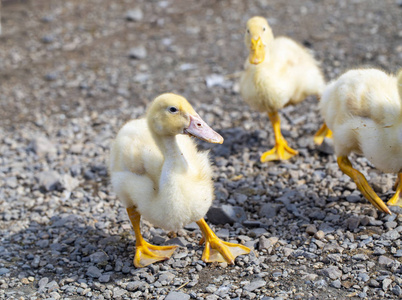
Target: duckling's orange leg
column 146, row 253
column 321, row 134
column 397, row 197
column 216, row 249
column 281, row 150
column 362, row 184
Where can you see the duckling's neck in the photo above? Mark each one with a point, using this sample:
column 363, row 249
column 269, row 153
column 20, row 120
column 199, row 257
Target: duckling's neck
column 174, row 160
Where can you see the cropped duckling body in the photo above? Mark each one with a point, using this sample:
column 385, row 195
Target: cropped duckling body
column 363, row 108
column 158, row 173
column 277, row 73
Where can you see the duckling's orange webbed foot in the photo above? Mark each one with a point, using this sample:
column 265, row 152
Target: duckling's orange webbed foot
column 362, row 184
column 217, row 250
column 397, row 197
column 281, row 151
column 146, row 253
column 321, row 134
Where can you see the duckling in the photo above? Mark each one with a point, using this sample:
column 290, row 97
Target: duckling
column 278, row 72
column 363, row 108
column 158, row 173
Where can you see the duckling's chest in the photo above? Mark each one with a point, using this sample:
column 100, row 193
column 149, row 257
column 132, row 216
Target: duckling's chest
column 261, row 90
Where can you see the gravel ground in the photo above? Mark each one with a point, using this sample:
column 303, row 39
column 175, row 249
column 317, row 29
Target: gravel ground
column 72, row 72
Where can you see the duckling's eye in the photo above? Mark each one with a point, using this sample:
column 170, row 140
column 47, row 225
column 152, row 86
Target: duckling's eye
column 248, row 31
column 263, row 28
column 173, row 109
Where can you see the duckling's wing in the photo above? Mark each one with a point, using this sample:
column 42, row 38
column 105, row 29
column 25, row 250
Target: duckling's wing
column 134, row 150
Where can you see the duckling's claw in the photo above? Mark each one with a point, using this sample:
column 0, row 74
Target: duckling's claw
column 217, row 250
column 147, row 254
column 397, row 197
column 362, row 184
column 281, row 151
column 321, row 134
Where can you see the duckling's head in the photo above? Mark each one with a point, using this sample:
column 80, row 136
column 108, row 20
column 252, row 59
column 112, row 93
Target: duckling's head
column 171, row 114
column 257, row 37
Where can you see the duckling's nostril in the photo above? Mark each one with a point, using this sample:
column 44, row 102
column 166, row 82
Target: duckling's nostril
column 199, row 125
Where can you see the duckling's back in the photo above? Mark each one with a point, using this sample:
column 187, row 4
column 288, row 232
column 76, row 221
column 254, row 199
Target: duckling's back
column 363, row 93
column 363, row 109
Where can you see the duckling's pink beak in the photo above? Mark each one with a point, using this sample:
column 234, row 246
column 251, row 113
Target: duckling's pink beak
column 199, row 129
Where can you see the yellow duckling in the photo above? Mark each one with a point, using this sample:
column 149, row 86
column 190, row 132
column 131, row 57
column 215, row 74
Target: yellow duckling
column 157, row 172
column 363, row 108
column 278, row 72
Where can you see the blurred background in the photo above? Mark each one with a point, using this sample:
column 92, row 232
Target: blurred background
column 66, row 56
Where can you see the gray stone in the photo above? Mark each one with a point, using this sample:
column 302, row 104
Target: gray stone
column 398, row 253
column 168, row 277
column 94, row 272
column 397, row 291
column 49, row 180
column 319, row 235
column 105, row 278
column 386, row 283
column 42, row 243
column 240, row 198
column 223, row 233
column 47, row 39
column 257, row 232
column 352, row 223
column 99, row 257
column 226, row 214
column 332, row 272
column 360, row 256
column 42, row 145
column 135, row 15
column 391, row 235
column 42, row 284
column 177, row 296
column 311, row 229
column 265, row 243
column 379, row 251
column 385, row 261
column 213, row 80
column 363, row 277
column 252, row 286
column 136, row 285
column 68, row 182
column 179, row 241
column 374, row 283
column 390, row 224
column 222, row 291
column 12, row 182
column 118, row 292
column 52, row 286
column 51, row 76
column 269, row 210
column 139, row 52
column 221, row 193
column 192, row 226
column 4, row 271
column 336, row 284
